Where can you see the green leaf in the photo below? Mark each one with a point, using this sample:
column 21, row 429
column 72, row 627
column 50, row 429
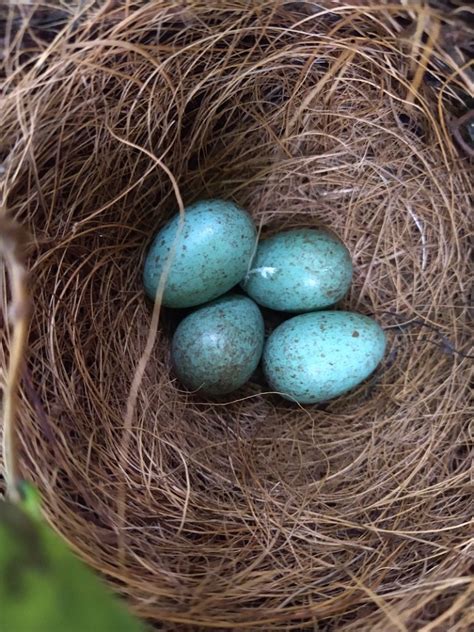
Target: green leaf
column 43, row 586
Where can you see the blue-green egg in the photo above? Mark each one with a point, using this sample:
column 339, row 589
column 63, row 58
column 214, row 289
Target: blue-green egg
column 216, row 348
column 315, row 357
column 299, row 270
column 209, row 254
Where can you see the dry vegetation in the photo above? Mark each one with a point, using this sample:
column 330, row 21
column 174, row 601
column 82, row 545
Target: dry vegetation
column 245, row 513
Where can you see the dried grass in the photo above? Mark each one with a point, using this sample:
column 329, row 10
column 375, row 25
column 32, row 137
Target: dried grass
column 245, row 513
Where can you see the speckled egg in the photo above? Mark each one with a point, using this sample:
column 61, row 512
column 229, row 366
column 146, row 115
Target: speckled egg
column 216, row 349
column 315, row 357
column 210, row 255
column 299, row 270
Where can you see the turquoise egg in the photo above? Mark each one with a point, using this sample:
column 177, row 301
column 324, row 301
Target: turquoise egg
column 216, row 349
column 210, row 255
column 299, row 270
column 315, row 357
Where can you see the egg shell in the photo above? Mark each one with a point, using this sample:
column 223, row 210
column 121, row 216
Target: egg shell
column 217, row 348
column 299, row 270
column 315, row 357
column 210, row 255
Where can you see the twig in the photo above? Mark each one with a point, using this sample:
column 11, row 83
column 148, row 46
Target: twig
column 12, row 242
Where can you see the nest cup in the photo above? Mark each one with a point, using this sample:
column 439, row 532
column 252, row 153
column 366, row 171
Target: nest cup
column 248, row 512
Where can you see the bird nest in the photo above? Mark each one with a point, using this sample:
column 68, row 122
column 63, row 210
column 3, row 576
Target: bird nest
column 249, row 511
